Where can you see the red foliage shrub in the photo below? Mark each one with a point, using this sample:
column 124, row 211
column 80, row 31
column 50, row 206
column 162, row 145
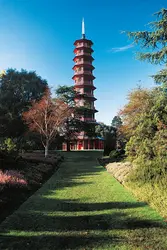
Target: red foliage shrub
column 12, row 178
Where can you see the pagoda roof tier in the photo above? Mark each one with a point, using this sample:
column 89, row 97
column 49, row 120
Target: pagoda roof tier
column 85, row 49
column 82, row 40
column 85, row 96
column 86, row 110
column 86, row 57
column 90, row 66
column 82, row 85
column 89, row 76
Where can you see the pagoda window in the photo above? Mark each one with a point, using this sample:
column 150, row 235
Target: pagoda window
column 87, row 69
column 87, row 90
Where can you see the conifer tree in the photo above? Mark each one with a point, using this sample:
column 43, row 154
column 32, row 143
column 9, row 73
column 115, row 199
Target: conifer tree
column 155, row 42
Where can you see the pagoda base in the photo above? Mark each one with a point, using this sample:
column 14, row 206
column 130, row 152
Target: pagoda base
column 85, row 144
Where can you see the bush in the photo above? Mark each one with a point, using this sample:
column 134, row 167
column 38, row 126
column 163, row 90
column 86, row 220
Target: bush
column 114, row 154
column 8, row 145
column 149, row 170
column 12, row 178
column 109, row 143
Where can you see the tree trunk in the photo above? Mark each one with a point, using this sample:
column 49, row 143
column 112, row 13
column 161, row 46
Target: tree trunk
column 46, row 149
column 68, row 146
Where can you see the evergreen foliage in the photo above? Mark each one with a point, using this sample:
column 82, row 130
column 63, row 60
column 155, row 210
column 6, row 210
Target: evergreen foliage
column 17, row 91
column 145, row 115
column 154, row 41
column 147, row 144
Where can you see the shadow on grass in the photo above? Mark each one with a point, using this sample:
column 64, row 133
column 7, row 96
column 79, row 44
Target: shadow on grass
column 75, row 232
column 46, row 242
column 47, row 230
column 52, row 223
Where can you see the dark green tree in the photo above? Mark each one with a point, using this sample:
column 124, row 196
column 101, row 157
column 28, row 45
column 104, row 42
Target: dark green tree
column 72, row 125
column 116, row 122
column 17, row 91
column 66, row 93
column 110, row 141
column 155, row 43
column 101, row 129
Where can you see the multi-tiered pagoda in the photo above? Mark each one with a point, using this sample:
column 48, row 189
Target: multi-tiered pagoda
column 83, row 84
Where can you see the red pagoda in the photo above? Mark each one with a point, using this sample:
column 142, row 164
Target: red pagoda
column 83, row 84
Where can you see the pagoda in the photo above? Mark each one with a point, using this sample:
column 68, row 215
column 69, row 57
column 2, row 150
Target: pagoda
column 83, row 84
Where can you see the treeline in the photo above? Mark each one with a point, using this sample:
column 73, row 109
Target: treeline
column 145, row 115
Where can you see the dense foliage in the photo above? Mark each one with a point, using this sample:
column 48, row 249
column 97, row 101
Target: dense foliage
column 17, row 91
column 145, row 115
column 148, row 133
column 46, row 117
column 155, row 42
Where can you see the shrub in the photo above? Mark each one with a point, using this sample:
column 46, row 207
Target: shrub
column 12, row 178
column 150, row 171
column 8, row 145
column 109, row 143
column 114, row 154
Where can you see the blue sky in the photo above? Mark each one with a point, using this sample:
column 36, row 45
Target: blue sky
column 39, row 35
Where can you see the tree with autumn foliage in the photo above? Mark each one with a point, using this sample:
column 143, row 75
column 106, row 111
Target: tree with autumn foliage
column 138, row 100
column 46, row 117
column 145, row 128
column 145, row 115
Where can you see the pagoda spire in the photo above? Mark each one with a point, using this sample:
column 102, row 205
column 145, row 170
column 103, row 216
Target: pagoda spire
column 83, row 29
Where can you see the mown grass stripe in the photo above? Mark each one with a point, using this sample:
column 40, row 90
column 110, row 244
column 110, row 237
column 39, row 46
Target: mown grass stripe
column 82, row 207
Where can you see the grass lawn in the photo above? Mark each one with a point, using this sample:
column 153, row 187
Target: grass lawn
column 83, row 207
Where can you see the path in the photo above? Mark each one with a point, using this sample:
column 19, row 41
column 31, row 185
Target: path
column 83, row 207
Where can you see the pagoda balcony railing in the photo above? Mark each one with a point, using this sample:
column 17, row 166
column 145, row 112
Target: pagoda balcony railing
column 83, row 82
column 89, row 94
column 87, row 119
column 83, row 72
column 85, row 94
column 83, row 62
column 80, row 45
column 83, row 53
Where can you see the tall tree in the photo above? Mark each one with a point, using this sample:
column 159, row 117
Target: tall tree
column 73, row 124
column 116, row 121
column 17, row 91
column 101, row 129
column 67, row 94
column 138, row 100
column 46, row 117
column 148, row 140
column 155, row 40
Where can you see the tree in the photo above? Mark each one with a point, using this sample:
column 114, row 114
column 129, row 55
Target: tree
column 156, row 43
column 17, row 91
column 116, row 121
column 70, row 130
column 147, row 135
column 109, row 142
column 145, row 115
column 67, row 94
column 138, row 100
column 109, row 134
column 73, row 125
column 46, row 117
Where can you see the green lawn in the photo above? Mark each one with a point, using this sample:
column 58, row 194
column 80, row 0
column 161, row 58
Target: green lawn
column 83, row 207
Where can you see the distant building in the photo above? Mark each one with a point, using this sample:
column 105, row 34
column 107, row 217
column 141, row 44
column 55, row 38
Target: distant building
column 83, row 84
